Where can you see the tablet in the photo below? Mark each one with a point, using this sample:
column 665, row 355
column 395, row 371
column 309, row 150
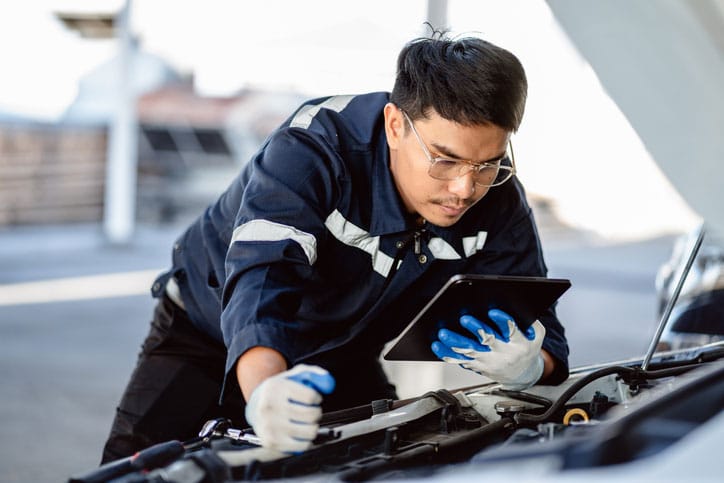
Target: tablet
column 524, row 298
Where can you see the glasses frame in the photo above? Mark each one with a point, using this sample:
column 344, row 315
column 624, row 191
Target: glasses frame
column 471, row 167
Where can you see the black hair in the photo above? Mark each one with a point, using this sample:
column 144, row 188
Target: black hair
column 467, row 80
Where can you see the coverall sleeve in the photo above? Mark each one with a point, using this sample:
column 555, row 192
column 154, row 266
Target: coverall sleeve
column 278, row 231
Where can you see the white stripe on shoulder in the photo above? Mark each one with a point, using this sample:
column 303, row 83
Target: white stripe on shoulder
column 442, row 250
column 305, row 115
column 354, row 236
column 472, row 244
column 265, row 230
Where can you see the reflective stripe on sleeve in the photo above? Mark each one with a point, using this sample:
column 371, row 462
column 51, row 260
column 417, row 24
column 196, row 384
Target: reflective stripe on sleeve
column 265, row 230
column 354, row 236
column 305, row 115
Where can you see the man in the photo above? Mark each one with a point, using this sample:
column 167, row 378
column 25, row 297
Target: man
column 346, row 222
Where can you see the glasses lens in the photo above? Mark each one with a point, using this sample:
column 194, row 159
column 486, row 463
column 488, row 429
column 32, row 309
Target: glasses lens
column 447, row 170
column 494, row 176
column 488, row 175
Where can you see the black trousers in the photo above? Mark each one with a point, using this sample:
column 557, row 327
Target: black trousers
column 177, row 382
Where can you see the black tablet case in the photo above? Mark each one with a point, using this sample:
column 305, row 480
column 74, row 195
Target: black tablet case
column 524, row 298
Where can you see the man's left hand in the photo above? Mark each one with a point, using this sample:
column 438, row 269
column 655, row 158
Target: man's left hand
column 508, row 356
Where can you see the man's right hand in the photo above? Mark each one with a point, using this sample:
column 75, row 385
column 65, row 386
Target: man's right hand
column 284, row 410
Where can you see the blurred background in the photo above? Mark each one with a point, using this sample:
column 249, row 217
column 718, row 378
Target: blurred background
column 120, row 121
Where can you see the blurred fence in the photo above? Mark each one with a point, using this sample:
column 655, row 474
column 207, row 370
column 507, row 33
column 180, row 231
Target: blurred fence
column 51, row 173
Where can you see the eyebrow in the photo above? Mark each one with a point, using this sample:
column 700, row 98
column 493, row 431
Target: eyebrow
column 443, row 150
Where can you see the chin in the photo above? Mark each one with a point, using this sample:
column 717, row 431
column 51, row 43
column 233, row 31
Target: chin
column 442, row 221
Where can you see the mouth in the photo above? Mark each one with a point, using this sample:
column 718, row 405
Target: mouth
column 453, row 210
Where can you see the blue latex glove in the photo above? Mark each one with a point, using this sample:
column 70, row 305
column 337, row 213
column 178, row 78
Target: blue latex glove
column 320, row 382
column 508, row 356
column 284, row 410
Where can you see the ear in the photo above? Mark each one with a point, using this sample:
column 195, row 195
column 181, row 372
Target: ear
column 394, row 125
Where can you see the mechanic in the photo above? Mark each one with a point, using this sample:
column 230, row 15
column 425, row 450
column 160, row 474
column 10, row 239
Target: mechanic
column 350, row 217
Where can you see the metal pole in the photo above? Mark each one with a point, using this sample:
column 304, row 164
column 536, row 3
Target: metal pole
column 674, row 297
column 120, row 192
column 437, row 14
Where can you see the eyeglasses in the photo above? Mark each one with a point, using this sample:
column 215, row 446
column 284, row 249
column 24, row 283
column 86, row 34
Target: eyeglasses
column 491, row 173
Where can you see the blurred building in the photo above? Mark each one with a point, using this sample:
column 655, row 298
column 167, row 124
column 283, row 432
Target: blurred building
column 190, row 147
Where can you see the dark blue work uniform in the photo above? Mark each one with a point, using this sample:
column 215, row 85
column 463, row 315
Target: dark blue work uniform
column 310, row 251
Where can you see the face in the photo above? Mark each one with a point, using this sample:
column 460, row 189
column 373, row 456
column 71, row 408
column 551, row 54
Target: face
column 439, row 202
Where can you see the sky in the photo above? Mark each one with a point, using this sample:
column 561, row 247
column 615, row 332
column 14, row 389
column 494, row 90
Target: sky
column 574, row 147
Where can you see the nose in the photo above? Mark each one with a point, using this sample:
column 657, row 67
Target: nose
column 462, row 187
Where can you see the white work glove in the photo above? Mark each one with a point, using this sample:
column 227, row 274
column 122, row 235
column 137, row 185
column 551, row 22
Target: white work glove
column 284, row 410
column 510, row 357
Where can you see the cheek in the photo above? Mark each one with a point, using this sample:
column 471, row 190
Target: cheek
column 414, row 180
column 422, row 188
column 416, row 185
column 480, row 193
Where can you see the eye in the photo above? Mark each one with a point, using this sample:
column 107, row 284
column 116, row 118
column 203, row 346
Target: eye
column 445, row 163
